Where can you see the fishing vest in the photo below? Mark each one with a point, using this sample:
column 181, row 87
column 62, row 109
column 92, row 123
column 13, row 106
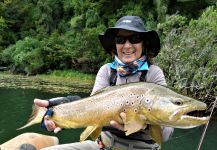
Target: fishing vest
column 140, row 135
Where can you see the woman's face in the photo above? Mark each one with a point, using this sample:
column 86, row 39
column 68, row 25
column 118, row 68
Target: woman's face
column 129, row 46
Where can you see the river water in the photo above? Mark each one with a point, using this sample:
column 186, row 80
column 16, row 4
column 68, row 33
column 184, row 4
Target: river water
column 15, row 106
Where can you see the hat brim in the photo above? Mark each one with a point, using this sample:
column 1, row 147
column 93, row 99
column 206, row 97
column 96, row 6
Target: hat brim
column 151, row 37
column 107, row 42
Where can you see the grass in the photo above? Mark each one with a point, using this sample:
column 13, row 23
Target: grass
column 57, row 81
column 75, row 75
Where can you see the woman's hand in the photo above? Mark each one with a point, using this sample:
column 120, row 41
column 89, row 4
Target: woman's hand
column 116, row 124
column 121, row 126
column 50, row 125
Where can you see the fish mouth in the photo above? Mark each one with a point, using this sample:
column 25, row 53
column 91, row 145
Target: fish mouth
column 193, row 117
column 195, row 114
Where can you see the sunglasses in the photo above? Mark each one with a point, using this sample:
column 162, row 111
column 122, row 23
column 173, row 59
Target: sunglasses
column 133, row 39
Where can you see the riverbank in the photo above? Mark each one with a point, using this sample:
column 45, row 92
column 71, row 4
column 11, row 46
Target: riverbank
column 50, row 83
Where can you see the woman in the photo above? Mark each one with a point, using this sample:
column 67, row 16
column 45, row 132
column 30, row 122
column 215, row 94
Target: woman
column 133, row 47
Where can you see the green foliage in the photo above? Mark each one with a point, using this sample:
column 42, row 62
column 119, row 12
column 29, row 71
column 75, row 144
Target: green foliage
column 189, row 54
column 172, row 22
column 84, row 49
column 161, row 8
column 24, row 55
column 3, row 26
column 53, row 52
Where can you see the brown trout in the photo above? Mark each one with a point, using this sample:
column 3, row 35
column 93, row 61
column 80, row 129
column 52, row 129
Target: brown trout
column 143, row 103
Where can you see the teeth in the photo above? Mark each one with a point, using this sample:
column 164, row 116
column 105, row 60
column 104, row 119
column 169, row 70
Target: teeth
column 128, row 53
column 196, row 118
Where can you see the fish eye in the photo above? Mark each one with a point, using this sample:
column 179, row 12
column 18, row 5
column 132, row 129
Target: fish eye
column 178, row 102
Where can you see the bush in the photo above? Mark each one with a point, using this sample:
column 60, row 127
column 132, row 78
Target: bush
column 189, row 54
column 25, row 55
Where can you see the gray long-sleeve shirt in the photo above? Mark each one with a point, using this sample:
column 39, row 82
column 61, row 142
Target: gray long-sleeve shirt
column 154, row 75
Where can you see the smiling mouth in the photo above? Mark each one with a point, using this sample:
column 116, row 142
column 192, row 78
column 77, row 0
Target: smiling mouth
column 129, row 52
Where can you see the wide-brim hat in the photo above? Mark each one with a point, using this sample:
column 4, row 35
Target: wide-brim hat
column 131, row 23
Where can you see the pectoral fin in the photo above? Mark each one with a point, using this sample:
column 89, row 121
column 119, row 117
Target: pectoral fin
column 92, row 131
column 156, row 133
column 132, row 122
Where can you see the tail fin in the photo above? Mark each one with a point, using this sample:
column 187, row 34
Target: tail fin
column 36, row 117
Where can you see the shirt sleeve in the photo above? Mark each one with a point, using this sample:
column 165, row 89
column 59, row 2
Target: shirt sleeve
column 102, row 78
column 167, row 133
column 156, row 75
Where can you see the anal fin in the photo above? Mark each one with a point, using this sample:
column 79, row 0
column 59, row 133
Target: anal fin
column 95, row 134
column 92, row 131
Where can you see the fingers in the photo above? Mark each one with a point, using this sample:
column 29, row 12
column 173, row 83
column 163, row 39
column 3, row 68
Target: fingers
column 123, row 116
column 57, row 129
column 117, row 125
column 41, row 103
column 50, row 125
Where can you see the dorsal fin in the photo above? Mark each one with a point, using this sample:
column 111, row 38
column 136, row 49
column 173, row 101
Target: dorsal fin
column 101, row 90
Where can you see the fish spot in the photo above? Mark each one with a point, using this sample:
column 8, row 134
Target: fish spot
column 127, row 102
column 132, row 103
column 124, row 110
column 147, row 100
column 149, row 109
column 137, row 96
column 136, row 110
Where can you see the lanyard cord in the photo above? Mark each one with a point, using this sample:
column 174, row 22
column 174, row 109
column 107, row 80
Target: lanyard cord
column 205, row 128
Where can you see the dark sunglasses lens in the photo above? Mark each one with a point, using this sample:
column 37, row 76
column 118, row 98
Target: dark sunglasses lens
column 120, row 39
column 135, row 39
